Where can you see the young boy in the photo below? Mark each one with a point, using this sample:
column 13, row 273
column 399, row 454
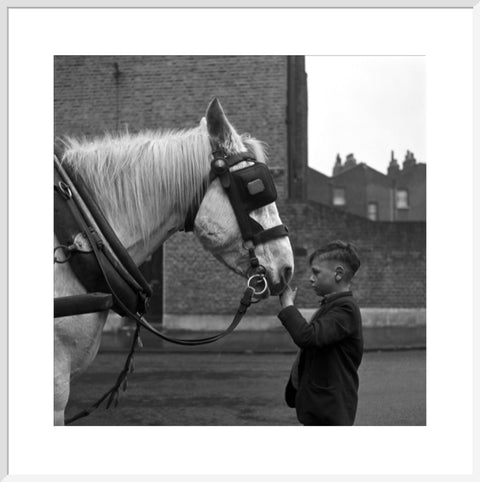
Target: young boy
column 323, row 385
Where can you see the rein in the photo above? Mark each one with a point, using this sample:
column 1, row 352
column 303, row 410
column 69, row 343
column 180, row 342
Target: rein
column 138, row 317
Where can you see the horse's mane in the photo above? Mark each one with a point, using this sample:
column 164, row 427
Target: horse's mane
column 140, row 177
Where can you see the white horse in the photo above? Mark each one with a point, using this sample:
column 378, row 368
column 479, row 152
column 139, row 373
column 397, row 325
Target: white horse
column 145, row 185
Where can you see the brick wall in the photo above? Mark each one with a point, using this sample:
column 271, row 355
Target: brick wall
column 153, row 92
column 393, row 255
column 392, row 274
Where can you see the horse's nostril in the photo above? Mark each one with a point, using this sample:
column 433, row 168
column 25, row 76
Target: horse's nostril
column 287, row 273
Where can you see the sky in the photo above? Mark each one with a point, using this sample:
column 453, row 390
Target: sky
column 367, row 106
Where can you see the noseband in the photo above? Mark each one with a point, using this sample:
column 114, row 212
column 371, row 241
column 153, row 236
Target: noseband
column 248, row 189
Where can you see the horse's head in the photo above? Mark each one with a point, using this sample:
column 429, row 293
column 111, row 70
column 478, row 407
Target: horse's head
column 216, row 223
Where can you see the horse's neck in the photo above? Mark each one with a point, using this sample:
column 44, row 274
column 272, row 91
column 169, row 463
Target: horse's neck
column 167, row 215
column 140, row 251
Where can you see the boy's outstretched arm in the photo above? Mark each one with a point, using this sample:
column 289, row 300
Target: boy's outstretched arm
column 323, row 330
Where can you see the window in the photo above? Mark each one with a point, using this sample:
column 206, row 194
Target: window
column 402, row 199
column 339, row 196
column 372, row 212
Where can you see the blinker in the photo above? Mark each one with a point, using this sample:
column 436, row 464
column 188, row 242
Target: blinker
column 256, row 186
column 248, row 189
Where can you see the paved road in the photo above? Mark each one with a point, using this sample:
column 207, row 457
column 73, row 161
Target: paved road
column 208, row 388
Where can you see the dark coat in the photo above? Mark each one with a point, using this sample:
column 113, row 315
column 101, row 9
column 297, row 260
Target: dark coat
column 331, row 352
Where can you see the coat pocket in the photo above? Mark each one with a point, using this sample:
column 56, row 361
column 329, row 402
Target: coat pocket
column 321, row 387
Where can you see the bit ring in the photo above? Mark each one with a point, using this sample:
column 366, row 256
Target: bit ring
column 265, row 287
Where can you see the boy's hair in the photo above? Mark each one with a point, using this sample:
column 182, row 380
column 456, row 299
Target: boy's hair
column 339, row 251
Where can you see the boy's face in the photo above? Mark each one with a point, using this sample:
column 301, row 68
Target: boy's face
column 323, row 276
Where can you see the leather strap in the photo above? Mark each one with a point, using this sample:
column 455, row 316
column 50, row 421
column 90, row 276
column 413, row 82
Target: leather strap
column 80, row 304
column 230, row 161
column 269, row 234
column 71, row 216
column 244, row 304
column 108, row 232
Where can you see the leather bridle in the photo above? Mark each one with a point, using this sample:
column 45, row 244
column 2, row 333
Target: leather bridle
column 248, row 188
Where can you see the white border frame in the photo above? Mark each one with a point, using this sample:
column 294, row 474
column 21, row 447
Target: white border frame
column 4, row 337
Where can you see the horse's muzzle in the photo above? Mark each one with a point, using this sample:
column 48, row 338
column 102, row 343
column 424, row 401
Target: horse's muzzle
column 286, row 275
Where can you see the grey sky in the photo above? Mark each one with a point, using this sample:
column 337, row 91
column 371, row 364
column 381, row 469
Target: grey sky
column 367, row 106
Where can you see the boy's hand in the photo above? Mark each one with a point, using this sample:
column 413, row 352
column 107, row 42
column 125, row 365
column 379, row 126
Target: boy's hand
column 287, row 297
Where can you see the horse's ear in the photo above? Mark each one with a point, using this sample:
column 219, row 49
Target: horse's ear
column 218, row 126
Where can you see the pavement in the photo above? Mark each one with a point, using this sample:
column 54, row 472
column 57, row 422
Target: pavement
column 267, row 341
column 240, row 379
column 238, row 389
